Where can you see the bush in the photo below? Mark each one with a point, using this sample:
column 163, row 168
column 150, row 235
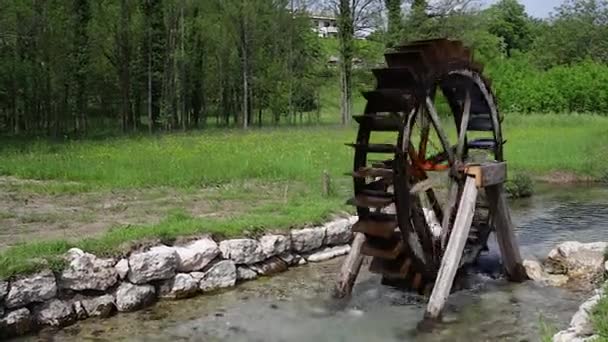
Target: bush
column 521, row 186
column 522, row 87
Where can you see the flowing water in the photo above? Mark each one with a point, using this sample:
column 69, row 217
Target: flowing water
column 295, row 306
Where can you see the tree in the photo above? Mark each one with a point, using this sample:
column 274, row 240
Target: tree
column 80, row 57
column 353, row 16
column 576, row 31
column 153, row 51
column 393, row 7
column 72, row 66
column 510, row 22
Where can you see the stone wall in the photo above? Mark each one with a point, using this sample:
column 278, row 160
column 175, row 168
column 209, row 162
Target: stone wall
column 575, row 265
column 90, row 286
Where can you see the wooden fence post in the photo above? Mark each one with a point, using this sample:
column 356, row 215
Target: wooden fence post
column 326, row 184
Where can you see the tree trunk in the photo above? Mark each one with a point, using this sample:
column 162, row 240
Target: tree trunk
column 346, row 33
column 150, row 114
column 124, row 45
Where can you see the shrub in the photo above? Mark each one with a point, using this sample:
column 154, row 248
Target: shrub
column 521, row 186
column 522, row 87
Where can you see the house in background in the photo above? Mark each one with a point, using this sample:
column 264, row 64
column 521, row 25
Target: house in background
column 324, row 26
column 327, row 27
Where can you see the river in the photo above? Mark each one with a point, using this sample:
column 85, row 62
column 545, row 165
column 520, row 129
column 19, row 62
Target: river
column 295, row 306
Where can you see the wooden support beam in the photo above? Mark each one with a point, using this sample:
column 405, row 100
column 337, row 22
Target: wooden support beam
column 505, row 233
column 447, row 212
column 350, row 268
column 488, row 174
column 453, row 253
column 453, row 183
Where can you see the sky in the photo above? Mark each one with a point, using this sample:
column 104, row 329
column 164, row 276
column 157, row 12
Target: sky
column 537, row 8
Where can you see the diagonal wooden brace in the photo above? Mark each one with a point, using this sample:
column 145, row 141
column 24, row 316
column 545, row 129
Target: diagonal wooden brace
column 453, row 253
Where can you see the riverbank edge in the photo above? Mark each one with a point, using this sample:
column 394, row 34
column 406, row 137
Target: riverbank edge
column 581, row 327
column 89, row 286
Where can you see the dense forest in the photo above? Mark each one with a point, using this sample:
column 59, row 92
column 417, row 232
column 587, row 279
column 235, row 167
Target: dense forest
column 78, row 67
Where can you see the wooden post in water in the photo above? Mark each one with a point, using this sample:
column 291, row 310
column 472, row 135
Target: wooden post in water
column 350, row 268
column 505, row 233
column 453, row 253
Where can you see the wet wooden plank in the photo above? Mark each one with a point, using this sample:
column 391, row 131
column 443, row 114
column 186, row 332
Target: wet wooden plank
column 488, row 174
column 366, row 201
column 373, row 172
column 453, row 253
column 351, row 267
column 505, row 233
column 384, row 229
column 375, row 148
column 397, row 269
column 383, row 248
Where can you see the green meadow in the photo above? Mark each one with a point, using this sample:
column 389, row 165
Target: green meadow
column 273, row 176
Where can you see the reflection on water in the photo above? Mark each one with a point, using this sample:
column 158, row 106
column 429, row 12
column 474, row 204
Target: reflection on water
column 295, row 306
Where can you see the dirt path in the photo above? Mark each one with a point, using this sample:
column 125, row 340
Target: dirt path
column 27, row 214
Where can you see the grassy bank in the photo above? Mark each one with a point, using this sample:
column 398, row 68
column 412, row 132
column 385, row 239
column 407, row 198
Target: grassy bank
column 600, row 320
column 290, row 161
column 537, row 144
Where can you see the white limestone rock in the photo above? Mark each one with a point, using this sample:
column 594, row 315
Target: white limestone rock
column 566, row 336
column 275, row 244
column 245, row 273
column 102, row 306
column 577, row 260
column 534, row 270
column 269, row 267
column 196, row 255
column 556, row 280
column 16, row 323
column 35, row 288
column 130, row 297
column 581, row 321
column 87, row 272
column 220, row 275
column 158, row 263
column 338, row 232
column 328, row 253
column 55, row 313
column 122, row 268
column 182, row 286
column 290, row 258
column 307, row 239
column 242, row 251
column 79, row 310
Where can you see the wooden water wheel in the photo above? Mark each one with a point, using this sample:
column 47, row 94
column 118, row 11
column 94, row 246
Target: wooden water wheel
column 410, row 170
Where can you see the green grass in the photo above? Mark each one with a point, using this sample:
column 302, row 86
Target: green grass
column 599, row 318
column 33, row 256
column 185, row 160
column 547, row 330
column 540, row 144
column 537, row 144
